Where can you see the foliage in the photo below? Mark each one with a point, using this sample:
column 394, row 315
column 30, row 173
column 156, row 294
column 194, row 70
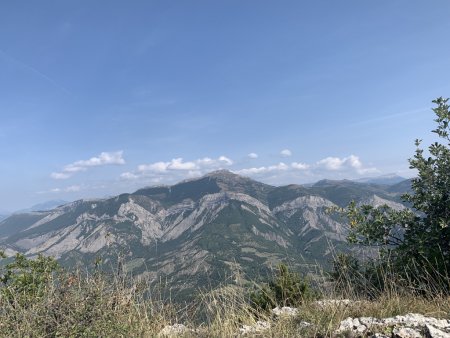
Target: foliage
column 370, row 279
column 24, row 280
column 286, row 289
column 347, row 273
column 416, row 238
column 76, row 304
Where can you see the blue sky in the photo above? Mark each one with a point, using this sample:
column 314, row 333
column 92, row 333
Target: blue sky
column 103, row 97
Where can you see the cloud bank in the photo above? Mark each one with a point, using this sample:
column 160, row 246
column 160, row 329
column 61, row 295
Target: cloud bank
column 329, row 167
column 178, row 168
column 105, row 158
column 279, row 173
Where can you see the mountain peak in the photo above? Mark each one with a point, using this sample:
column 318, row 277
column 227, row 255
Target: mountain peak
column 222, row 173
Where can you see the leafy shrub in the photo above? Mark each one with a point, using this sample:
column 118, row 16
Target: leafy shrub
column 286, row 289
column 25, row 280
column 369, row 279
column 416, row 241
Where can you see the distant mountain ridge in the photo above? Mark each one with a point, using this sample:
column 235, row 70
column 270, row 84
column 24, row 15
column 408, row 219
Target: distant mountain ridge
column 44, row 206
column 198, row 230
column 388, row 179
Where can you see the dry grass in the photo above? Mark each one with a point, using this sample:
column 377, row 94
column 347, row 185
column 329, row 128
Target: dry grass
column 86, row 305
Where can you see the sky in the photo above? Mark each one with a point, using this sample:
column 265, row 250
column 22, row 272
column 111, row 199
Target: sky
column 103, row 97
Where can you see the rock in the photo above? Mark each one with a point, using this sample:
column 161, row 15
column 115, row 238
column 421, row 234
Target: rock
column 380, row 335
column 174, row 330
column 436, row 333
column 412, row 325
column 333, row 302
column 285, row 311
column 305, row 324
column 415, row 319
column 351, row 325
column 406, row 332
column 369, row 321
column 260, row 326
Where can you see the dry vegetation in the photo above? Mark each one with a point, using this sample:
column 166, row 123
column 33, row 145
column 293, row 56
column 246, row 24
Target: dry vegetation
column 95, row 305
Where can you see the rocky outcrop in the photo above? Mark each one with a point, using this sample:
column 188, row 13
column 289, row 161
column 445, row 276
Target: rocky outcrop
column 408, row 326
column 377, row 201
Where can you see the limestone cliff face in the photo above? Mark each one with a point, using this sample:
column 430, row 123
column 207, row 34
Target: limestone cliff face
column 197, row 227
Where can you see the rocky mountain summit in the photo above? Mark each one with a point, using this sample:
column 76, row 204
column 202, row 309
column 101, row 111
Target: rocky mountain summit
column 205, row 229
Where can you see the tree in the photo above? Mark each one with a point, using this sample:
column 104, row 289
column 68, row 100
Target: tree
column 25, row 280
column 286, row 289
column 418, row 237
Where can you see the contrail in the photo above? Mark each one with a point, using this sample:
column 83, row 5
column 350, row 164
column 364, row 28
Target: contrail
column 388, row 117
column 33, row 70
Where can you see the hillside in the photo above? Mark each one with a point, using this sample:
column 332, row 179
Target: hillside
column 197, row 231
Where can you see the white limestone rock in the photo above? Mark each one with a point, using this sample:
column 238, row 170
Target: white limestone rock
column 406, row 332
column 333, row 302
column 285, row 311
column 411, row 325
column 258, row 327
column 433, row 332
column 174, row 330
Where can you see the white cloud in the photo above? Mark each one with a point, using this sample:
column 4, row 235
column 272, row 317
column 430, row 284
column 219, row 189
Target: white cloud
column 251, row 171
column 261, row 170
column 225, row 160
column 286, row 153
column 293, row 172
column 329, row 167
column 128, row 176
column 157, row 167
column 178, row 165
column 299, row 166
column 73, row 188
column 252, row 155
column 345, row 163
column 331, row 163
column 59, row 176
column 105, row 158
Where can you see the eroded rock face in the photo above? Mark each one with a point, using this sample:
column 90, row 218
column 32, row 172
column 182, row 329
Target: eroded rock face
column 411, row 325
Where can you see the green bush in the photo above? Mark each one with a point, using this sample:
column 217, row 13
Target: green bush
column 369, row 279
column 25, row 280
column 285, row 289
column 416, row 241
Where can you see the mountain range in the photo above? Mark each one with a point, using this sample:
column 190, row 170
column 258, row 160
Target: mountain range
column 198, row 232
column 388, row 179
